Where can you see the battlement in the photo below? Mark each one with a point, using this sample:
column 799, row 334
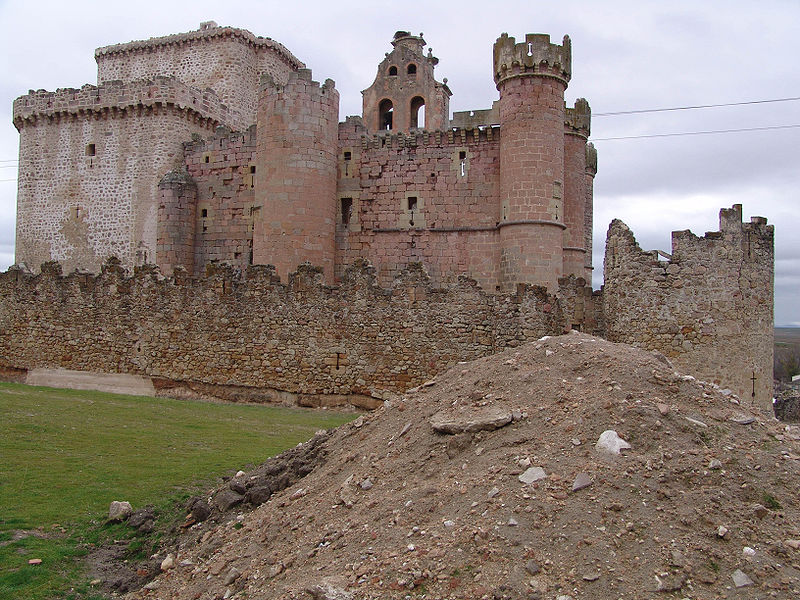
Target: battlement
column 476, row 118
column 114, row 97
column 578, row 120
column 536, row 56
column 208, row 32
column 453, row 136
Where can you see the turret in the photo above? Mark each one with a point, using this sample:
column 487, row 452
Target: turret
column 295, row 179
column 405, row 95
column 531, row 77
column 177, row 206
column 576, row 131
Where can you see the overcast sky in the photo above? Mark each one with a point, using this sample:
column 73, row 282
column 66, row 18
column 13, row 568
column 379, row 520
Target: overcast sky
column 626, row 56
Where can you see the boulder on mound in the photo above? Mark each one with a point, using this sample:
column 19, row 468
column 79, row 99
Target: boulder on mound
column 487, row 483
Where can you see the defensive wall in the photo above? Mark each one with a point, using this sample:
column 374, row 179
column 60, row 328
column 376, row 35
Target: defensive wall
column 708, row 306
column 246, row 335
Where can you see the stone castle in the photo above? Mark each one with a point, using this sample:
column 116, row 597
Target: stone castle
column 314, row 258
column 217, row 146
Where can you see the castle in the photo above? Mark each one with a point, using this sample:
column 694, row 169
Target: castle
column 279, row 254
column 217, row 146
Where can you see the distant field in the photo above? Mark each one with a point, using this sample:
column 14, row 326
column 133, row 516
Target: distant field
column 787, row 335
column 66, row 454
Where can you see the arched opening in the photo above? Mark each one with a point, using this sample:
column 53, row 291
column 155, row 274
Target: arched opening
column 417, row 112
column 412, row 69
column 385, row 113
column 392, row 71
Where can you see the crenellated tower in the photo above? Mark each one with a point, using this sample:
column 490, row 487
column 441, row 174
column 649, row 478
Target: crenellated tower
column 531, row 77
column 405, row 94
column 577, row 125
column 295, row 175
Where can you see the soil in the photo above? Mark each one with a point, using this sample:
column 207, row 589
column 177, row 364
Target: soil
column 703, row 505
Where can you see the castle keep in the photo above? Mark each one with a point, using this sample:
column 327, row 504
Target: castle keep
column 280, row 254
column 217, row 146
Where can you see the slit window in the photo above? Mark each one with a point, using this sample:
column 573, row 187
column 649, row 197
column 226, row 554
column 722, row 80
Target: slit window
column 91, row 150
column 347, row 210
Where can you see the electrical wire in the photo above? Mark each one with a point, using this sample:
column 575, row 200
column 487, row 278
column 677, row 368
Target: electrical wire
column 674, row 108
column 683, row 133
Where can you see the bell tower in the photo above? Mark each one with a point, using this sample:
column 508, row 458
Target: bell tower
column 405, row 95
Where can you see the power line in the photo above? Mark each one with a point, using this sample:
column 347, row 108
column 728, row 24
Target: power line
column 9, row 179
column 660, row 135
column 674, row 108
column 13, row 160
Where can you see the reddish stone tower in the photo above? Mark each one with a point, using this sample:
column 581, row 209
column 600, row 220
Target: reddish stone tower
column 405, row 95
column 295, row 178
column 576, row 132
column 531, row 77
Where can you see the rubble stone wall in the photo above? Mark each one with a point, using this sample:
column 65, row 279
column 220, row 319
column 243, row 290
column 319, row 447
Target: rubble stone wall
column 227, row 60
column 708, row 308
column 90, row 162
column 250, row 330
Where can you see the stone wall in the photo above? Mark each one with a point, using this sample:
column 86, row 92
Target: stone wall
column 249, row 331
column 708, row 307
column 227, row 60
column 427, row 197
column 90, row 162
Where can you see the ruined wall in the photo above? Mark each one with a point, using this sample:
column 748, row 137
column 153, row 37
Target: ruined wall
column 90, row 161
column 253, row 331
column 227, row 60
column 224, row 169
column 709, row 308
column 429, row 197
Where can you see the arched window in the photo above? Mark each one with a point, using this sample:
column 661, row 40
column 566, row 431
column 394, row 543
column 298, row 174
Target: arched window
column 385, row 113
column 412, row 69
column 417, row 112
column 392, row 71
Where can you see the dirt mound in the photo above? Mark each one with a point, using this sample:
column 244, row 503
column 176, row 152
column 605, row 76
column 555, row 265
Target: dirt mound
column 486, row 483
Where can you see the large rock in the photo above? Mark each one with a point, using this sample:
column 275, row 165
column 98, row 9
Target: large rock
column 484, row 418
column 119, row 511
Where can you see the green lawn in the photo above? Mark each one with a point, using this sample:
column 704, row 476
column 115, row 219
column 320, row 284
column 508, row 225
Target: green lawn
column 66, row 454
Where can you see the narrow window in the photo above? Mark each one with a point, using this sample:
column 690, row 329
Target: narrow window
column 347, row 157
column 417, row 112
column 347, row 210
column 385, row 110
column 392, row 71
column 252, row 170
column 462, row 155
column 206, row 159
column 204, row 213
column 412, row 69
column 412, row 203
column 91, row 150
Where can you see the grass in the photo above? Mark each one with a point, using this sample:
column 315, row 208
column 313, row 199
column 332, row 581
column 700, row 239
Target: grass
column 66, row 454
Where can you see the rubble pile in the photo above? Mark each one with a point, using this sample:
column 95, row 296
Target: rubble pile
column 568, row 468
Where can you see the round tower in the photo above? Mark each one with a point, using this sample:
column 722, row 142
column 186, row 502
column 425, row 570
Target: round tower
column 531, row 77
column 576, row 131
column 295, row 178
